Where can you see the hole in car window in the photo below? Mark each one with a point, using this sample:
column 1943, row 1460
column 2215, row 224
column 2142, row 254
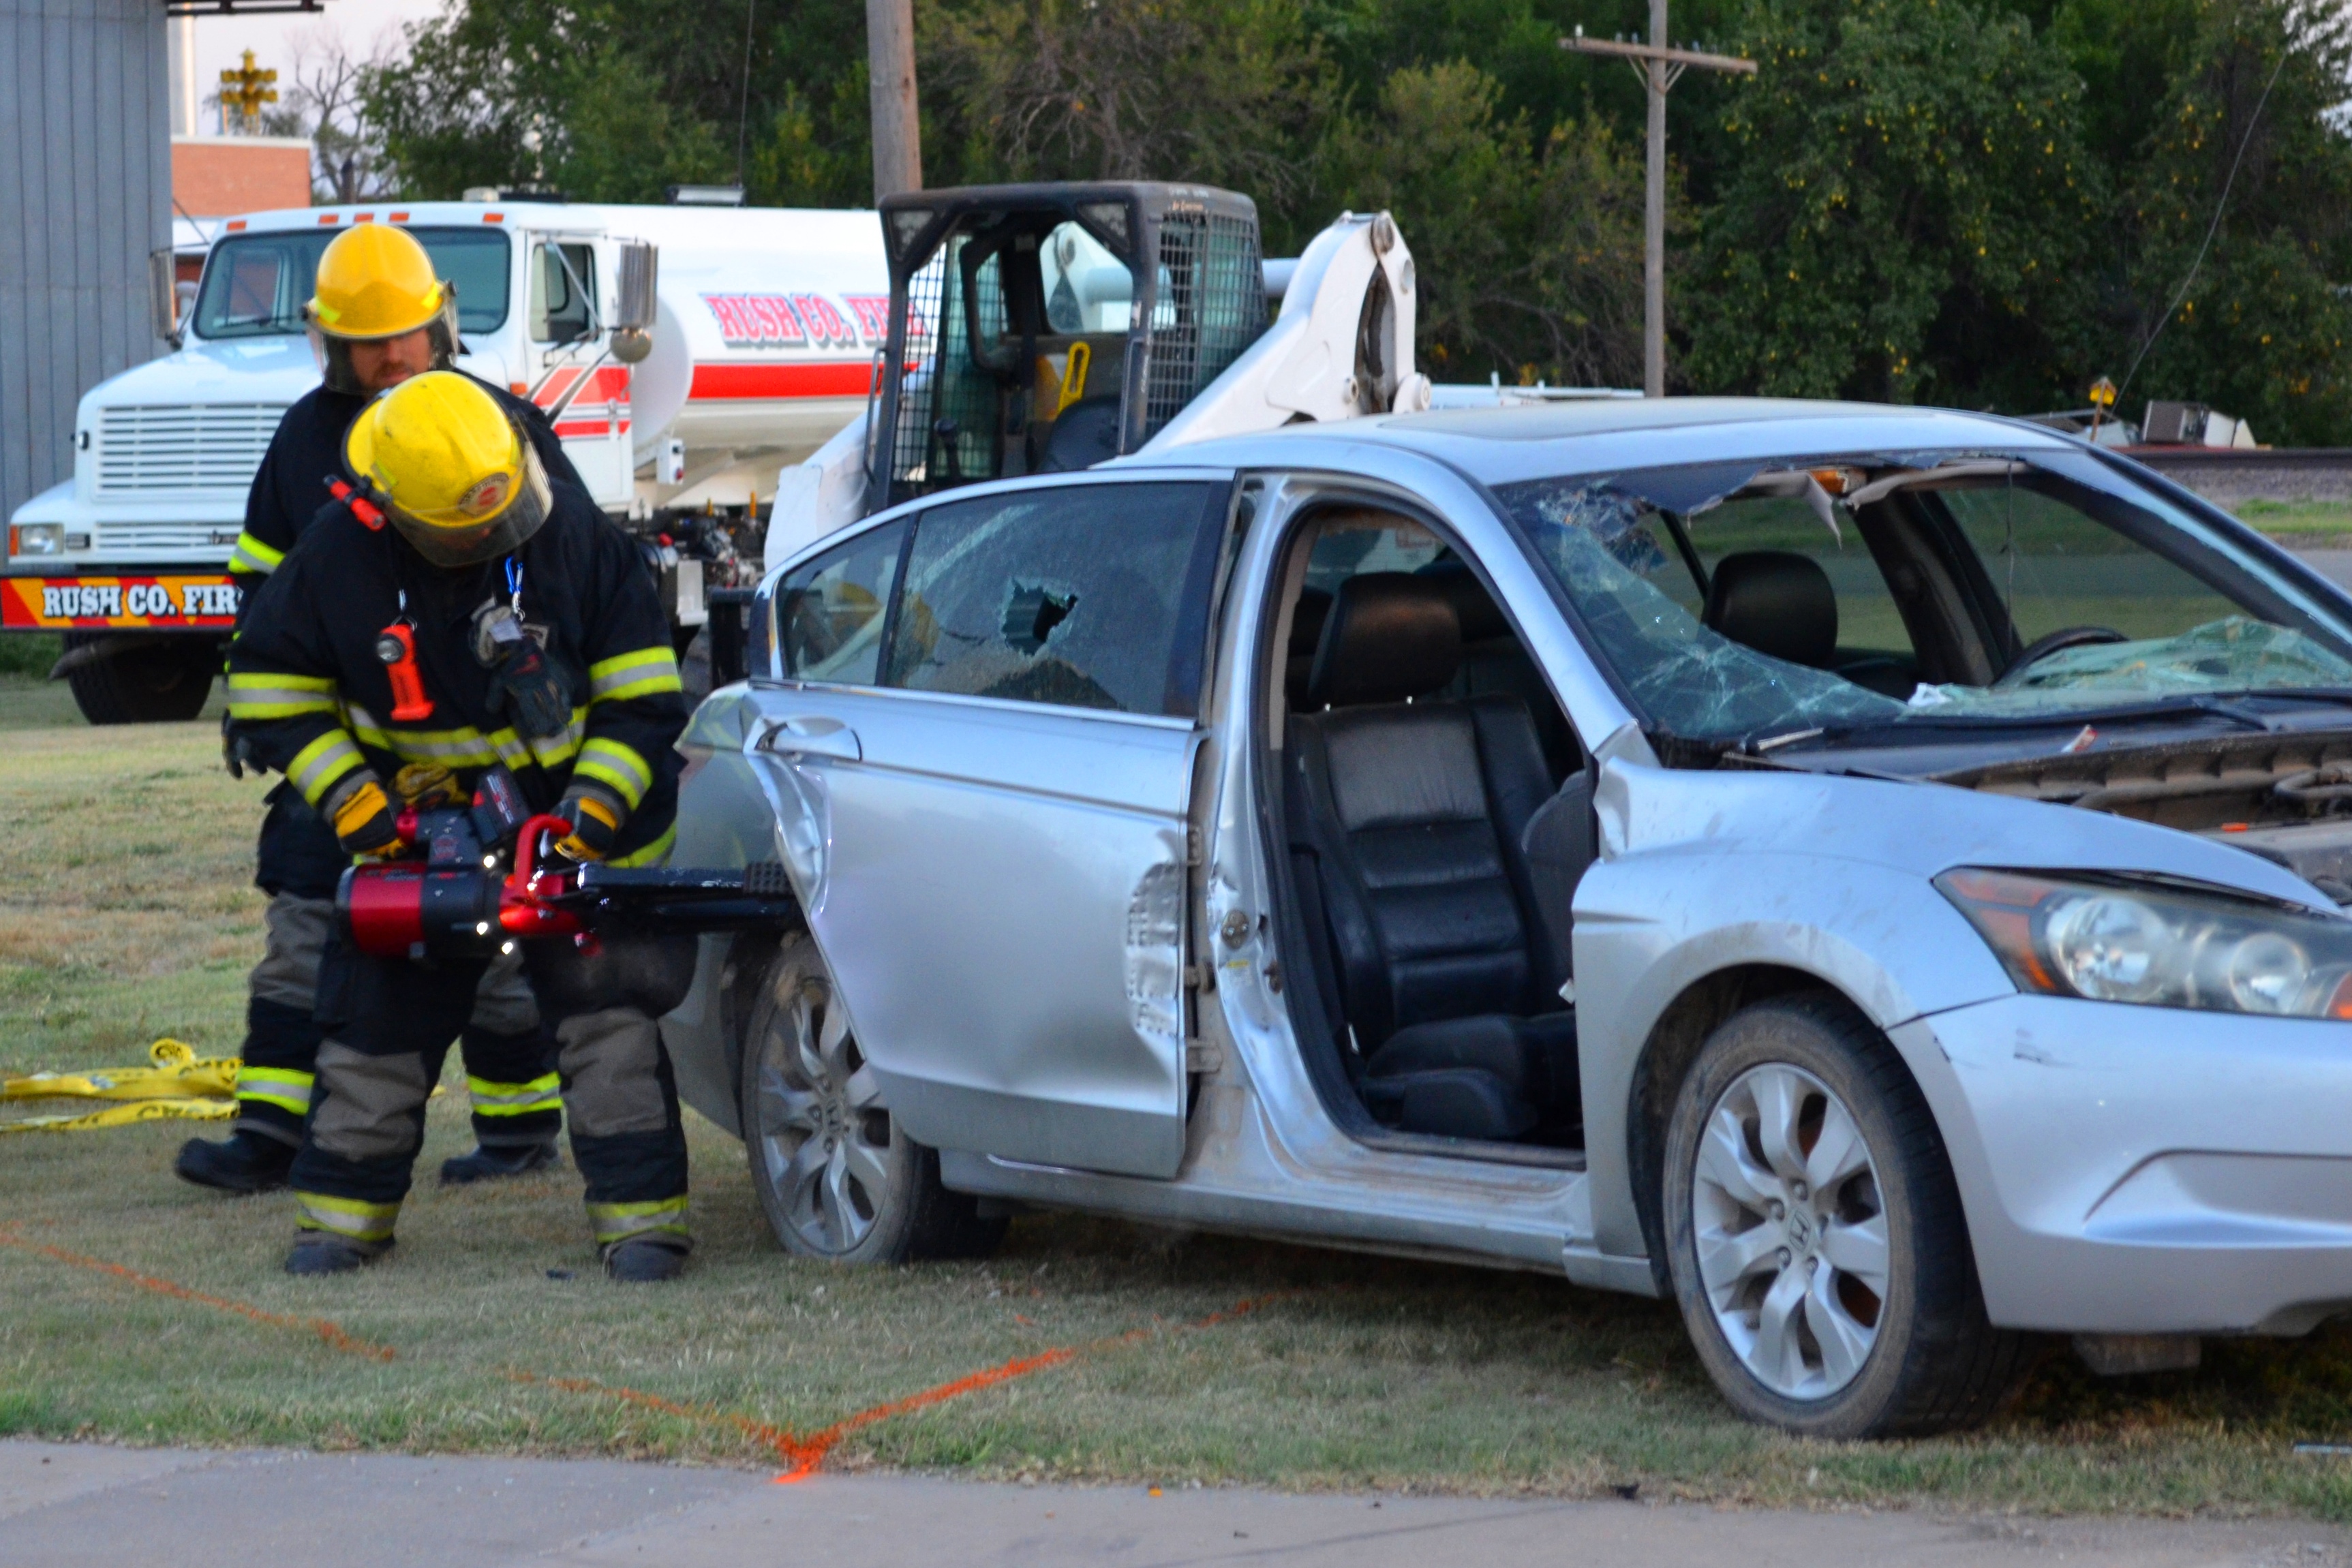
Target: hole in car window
column 2054, row 568
column 829, row 611
column 1077, row 596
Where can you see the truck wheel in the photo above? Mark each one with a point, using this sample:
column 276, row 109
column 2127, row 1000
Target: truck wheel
column 163, row 682
column 837, row 1176
column 1815, row 1236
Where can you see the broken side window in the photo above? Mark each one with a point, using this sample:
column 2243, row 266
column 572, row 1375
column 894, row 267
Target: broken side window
column 1080, row 596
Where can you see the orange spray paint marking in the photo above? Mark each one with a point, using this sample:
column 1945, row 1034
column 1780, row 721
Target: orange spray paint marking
column 331, row 1333
column 808, row 1454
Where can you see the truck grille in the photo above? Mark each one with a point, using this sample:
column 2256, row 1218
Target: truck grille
column 175, row 449
column 159, row 538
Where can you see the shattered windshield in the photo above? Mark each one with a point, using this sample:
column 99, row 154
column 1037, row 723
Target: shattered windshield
column 1740, row 601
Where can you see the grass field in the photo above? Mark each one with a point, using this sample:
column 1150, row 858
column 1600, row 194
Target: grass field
column 2292, row 522
column 125, row 913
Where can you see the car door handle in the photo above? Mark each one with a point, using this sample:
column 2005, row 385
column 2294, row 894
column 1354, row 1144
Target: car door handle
column 814, row 735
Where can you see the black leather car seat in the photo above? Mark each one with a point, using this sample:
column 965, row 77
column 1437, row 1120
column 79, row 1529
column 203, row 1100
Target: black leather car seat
column 1777, row 602
column 1408, row 816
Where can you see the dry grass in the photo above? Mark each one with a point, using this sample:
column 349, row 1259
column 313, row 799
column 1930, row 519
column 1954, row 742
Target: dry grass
column 2299, row 522
column 125, row 913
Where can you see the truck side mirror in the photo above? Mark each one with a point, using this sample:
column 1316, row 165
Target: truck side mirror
column 639, row 274
column 164, row 294
column 638, row 301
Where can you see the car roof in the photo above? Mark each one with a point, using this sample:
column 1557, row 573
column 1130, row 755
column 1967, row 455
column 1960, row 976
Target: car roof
column 1596, row 435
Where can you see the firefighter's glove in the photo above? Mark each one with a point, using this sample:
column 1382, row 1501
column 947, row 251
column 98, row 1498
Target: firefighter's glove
column 525, row 685
column 361, row 814
column 427, row 786
column 595, row 820
column 237, row 750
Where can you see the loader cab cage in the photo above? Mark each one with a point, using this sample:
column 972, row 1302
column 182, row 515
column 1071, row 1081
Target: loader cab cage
column 1048, row 327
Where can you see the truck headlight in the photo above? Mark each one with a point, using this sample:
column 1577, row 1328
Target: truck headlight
column 37, row 538
column 2121, row 940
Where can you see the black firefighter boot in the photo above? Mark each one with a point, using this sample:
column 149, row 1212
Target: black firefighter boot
column 315, row 1252
column 492, row 1161
column 244, row 1162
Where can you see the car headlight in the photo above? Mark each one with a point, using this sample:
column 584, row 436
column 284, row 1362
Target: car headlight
column 2130, row 941
column 38, row 539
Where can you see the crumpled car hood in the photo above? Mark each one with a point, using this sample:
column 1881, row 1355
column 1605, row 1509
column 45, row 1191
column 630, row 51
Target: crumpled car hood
column 1923, row 829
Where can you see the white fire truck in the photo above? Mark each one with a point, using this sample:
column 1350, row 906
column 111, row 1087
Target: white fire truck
column 679, row 377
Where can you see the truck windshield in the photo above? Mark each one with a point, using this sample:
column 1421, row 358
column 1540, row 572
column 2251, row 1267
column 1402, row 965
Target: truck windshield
column 255, row 284
column 1844, row 594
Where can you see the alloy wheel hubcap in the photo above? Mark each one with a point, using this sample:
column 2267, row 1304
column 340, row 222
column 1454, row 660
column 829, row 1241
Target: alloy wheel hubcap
column 1791, row 1231
column 823, row 1130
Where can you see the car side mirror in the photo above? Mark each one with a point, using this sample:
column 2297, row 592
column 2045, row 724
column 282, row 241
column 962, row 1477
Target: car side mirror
column 164, row 294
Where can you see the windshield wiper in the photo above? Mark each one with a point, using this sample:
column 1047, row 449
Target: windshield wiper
column 2154, row 707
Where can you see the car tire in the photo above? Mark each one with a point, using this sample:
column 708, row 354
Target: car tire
column 836, row 1176
column 1852, row 1312
column 164, row 682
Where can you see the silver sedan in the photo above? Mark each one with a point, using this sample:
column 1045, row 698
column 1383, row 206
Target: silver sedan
column 1870, row 876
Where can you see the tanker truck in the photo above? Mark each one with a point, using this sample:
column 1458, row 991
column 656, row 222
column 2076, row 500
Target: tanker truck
column 684, row 353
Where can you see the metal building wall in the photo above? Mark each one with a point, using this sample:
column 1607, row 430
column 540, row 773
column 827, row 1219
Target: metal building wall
column 85, row 193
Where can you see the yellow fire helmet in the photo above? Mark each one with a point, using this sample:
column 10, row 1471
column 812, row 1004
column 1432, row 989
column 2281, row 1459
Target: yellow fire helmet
column 455, row 475
column 376, row 282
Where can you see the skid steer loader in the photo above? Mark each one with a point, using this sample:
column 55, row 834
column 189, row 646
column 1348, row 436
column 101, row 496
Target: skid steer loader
column 1040, row 328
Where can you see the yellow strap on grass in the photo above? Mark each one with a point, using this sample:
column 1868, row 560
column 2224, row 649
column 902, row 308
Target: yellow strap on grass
column 174, row 1071
column 124, row 1116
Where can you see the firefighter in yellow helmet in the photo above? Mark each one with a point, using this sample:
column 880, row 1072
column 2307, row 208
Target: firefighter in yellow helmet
column 378, row 316
column 462, row 609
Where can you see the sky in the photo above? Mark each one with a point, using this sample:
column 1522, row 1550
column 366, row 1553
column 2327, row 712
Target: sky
column 365, row 27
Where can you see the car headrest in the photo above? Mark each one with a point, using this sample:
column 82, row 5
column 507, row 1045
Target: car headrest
column 1776, row 602
column 1480, row 616
column 1390, row 635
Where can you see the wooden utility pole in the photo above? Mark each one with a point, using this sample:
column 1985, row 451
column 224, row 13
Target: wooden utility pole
column 890, row 65
column 1660, row 67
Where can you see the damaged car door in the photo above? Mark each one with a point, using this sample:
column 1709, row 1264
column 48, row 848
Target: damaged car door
column 1004, row 793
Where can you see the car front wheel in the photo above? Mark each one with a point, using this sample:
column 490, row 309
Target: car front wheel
column 836, row 1174
column 1815, row 1236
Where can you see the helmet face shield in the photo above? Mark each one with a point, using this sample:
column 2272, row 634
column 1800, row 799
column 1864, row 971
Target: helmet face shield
column 451, row 467
column 447, row 544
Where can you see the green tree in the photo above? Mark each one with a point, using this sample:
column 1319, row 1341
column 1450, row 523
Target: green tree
column 1226, row 92
column 1527, row 249
column 614, row 99
column 2232, row 289
column 1907, row 212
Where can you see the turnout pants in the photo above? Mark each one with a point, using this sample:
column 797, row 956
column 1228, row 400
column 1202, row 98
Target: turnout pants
column 509, row 1061
column 388, row 1025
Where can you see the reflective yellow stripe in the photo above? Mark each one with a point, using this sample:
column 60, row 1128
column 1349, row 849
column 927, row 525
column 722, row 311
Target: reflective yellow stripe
column 319, row 766
column 279, row 1086
column 345, row 1216
column 252, row 555
column 624, row 1222
column 626, row 675
column 467, row 747
column 656, row 850
column 515, row 1099
column 271, row 696
column 651, row 854
column 610, row 763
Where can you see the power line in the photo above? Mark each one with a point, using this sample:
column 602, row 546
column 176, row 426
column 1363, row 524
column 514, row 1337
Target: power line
column 2210, row 229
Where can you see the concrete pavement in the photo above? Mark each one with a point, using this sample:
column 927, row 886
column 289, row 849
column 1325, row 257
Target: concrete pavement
column 63, row 1505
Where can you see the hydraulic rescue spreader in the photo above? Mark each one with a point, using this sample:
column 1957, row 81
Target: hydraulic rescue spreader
column 454, row 894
